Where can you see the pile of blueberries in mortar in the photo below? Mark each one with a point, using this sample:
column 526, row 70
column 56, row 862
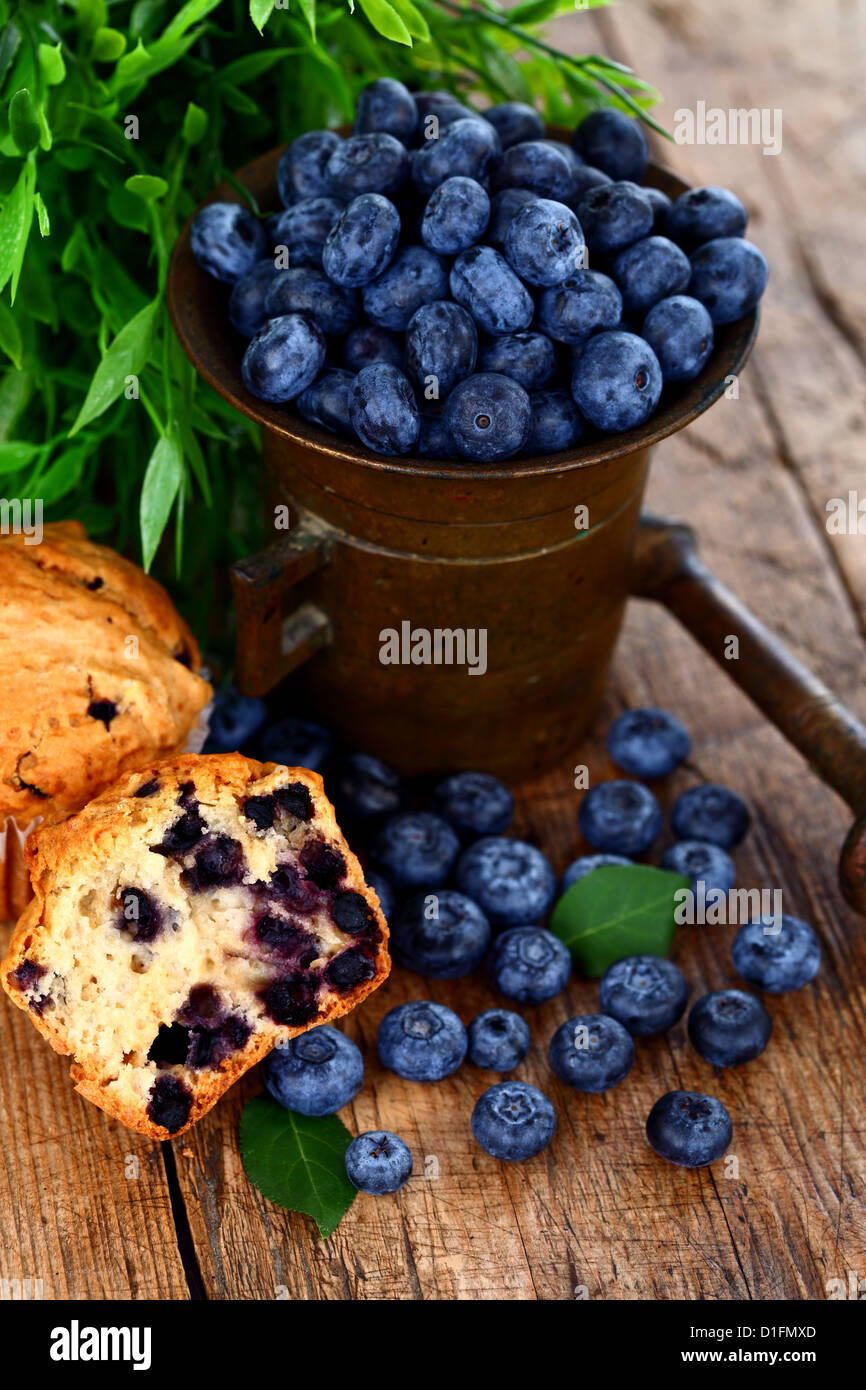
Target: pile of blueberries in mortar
column 459, row 286
column 491, row 893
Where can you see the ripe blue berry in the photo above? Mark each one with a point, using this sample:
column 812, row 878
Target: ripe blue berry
column 729, row 1027
column 591, row 1052
column 487, row 417
column 484, row 283
column 463, row 149
column 383, row 409
column 555, row 423
column 702, row 214
column 474, row 803
column 650, row 270
column 326, row 402
column 680, row 332
column 777, row 956
column 368, row 344
column 284, row 358
column 386, row 105
column 307, row 290
column 378, row 1162
column 416, row 850
column 515, row 121
column 422, row 1041
column 247, row 300
column 613, row 142
column 384, row 892
column 710, row 812
column 529, row 965
column 498, row 1040
column 364, row 789
column 363, row 242
column 646, row 994
column 544, row 243
column 503, row 206
column 584, row 303
column 617, row 381
column 729, row 275
column 620, row 817
column 511, row 881
column 702, row 863
column 303, row 228
column 579, row 868
column 613, row 215
column 376, row 163
column 296, row 742
column 528, row 358
column 227, row 240
column 648, row 743
column 316, row 1073
column 689, row 1128
column 441, row 346
column 415, row 277
column 537, row 165
column 513, row 1121
column 442, row 935
column 301, row 170
column 455, row 216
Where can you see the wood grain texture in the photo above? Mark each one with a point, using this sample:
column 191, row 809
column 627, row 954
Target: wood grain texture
column 598, row 1213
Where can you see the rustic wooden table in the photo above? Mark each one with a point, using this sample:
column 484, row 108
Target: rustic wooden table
column 94, row 1212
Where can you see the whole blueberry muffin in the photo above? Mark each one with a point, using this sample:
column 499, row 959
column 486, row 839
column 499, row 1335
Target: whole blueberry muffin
column 98, row 674
column 197, row 913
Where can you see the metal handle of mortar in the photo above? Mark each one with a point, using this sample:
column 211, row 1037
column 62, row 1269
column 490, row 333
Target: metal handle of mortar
column 669, row 570
column 273, row 643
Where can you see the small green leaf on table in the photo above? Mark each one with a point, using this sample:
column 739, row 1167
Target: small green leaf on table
column 618, row 911
column 298, row 1161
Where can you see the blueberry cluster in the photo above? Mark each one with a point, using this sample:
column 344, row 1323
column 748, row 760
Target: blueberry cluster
column 450, row 283
column 458, row 890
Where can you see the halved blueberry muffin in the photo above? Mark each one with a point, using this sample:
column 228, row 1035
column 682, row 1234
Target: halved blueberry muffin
column 197, row 913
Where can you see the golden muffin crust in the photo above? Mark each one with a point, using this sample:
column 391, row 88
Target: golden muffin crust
column 98, row 672
column 185, row 922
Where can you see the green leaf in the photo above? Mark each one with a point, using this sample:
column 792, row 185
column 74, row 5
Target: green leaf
column 10, row 335
column 386, row 21
column 42, row 215
column 260, row 13
column 298, row 1161
column 126, row 356
column 253, row 65
column 24, row 121
column 16, row 454
column 308, row 10
column 194, row 124
column 10, row 42
column 188, row 15
column 614, row 912
column 108, row 46
column 91, row 14
column 146, row 186
column 413, row 19
column 162, row 479
column 15, row 227
column 52, row 64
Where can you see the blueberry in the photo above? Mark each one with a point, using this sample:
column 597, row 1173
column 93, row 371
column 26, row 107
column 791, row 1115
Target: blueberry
column 351, row 968
column 617, row 381
column 387, row 105
column 234, row 720
column 503, row 206
column 324, row 865
column 555, row 423
column 291, row 1000
column 353, row 914
column 528, row 358
column 301, row 170
column 316, row 1073
column 689, row 1128
column 579, row 868
column 613, row 142
column 442, row 935
column 544, row 242
column 649, row 270
column 441, row 346
column 416, row 850
column 367, row 344
column 421, row 1041
column 140, row 915
column 326, row 402
column 585, row 178
column 296, row 743
column 661, row 205
column 474, row 803
column 363, row 788
column 455, row 217
column 170, row 1103
column 515, row 121
column 613, row 215
column 513, row 1121
column 307, row 290
column 376, row 163
column 450, row 113
column 488, row 417
column 484, row 283
column 646, row 994
column 415, row 277
column 284, row 358
column 777, row 956
column 620, row 817
column 702, row 863
column 710, row 812
column 463, row 149
column 428, row 103
column 511, row 881
column 247, row 299
column 702, row 214
column 363, row 242
column 434, row 441
column 378, row 1162
column 591, row 1052
column 648, row 743
column 584, row 303
column 384, row 892
column 227, row 240
column 729, row 1027
column 303, row 228
column 383, row 409
column 680, row 332
column 729, row 275
column 529, row 964
column 537, row 165
column 498, row 1040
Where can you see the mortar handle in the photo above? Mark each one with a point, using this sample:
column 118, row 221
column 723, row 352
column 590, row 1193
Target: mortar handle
column 668, row 569
column 272, row 643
